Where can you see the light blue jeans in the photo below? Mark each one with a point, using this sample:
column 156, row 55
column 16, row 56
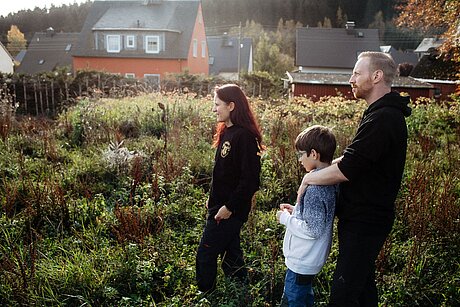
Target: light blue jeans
column 298, row 290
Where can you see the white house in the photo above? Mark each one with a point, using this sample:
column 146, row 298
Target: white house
column 6, row 61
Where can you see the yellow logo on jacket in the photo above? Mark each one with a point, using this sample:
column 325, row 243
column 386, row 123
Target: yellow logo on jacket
column 225, row 150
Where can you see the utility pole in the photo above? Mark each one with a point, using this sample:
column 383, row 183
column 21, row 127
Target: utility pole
column 239, row 51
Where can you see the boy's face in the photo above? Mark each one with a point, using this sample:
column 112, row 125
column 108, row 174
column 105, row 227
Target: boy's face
column 308, row 161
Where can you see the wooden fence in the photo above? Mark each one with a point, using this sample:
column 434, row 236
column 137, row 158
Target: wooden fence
column 48, row 95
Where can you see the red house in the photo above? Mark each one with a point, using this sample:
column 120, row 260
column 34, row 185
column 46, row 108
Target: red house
column 317, row 85
column 143, row 38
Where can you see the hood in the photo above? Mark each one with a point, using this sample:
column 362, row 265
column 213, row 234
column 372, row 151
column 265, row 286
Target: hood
column 393, row 100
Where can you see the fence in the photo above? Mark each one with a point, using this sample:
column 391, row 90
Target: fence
column 47, row 95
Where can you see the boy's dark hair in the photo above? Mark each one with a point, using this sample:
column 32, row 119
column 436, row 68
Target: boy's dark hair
column 319, row 138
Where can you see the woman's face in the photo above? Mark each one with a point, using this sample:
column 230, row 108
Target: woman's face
column 223, row 110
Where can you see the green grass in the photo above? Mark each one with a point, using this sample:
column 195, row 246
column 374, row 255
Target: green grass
column 105, row 205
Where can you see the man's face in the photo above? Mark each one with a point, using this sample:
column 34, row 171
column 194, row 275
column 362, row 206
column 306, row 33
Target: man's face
column 361, row 79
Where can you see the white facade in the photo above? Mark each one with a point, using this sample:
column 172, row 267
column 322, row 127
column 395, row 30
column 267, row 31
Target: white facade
column 6, row 61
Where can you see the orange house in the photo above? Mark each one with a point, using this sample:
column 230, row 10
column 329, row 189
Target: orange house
column 143, row 39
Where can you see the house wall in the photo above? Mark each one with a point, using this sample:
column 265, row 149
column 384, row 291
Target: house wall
column 415, row 93
column 445, row 90
column 137, row 66
column 198, row 64
column 316, row 91
column 6, row 63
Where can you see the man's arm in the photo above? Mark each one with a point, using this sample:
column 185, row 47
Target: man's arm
column 326, row 176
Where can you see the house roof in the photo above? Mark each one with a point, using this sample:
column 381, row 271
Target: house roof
column 20, row 55
column 428, row 43
column 173, row 19
column 48, row 51
column 342, row 79
column 400, row 56
column 224, row 52
column 333, row 47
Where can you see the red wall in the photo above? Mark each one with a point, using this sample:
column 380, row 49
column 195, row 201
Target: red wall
column 315, row 91
column 129, row 65
column 198, row 64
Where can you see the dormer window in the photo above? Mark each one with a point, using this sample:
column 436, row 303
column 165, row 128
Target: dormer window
column 130, row 41
column 113, row 43
column 152, row 44
column 41, row 62
column 68, row 47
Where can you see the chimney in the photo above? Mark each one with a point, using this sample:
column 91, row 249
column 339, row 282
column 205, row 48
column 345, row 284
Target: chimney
column 226, row 41
column 50, row 32
column 350, row 27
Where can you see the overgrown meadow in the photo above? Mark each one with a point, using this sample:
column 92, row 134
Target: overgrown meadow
column 105, row 205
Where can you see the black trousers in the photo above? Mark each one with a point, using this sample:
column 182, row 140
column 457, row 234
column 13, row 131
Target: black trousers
column 220, row 239
column 353, row 283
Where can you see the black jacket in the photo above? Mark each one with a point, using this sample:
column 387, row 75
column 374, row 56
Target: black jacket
column 374, row 164
column 236, row 172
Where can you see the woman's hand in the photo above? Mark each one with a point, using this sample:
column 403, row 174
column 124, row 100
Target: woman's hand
column 222, row 214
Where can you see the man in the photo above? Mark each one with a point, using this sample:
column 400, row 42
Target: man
column 369, row 173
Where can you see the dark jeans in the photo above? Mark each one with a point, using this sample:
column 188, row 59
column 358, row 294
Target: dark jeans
column 298, row 290
column 220, row 239
column 353, row 283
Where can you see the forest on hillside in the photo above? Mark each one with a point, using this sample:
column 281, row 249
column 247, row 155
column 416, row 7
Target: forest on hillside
column 221, row 15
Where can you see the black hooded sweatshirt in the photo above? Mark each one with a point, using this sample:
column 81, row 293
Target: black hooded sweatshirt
column 373, row 164
column 235, row 177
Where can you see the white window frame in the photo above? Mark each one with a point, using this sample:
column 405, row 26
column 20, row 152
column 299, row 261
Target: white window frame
column 130, row 41
column 108, row 42
column 195, row 48
column 130, row 75
column 203, row 49
column 150, row 38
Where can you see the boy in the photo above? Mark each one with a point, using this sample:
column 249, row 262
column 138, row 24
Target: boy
column 308, row 237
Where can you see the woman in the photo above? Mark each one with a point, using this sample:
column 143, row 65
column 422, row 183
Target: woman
column 235, row 179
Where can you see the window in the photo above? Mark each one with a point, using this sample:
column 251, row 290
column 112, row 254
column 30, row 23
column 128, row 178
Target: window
column 41, row 62
column 152, row 44
column 195, row 48
column 203, row 49
column 211, row 60
column 130, row 41
column 113, row 43
column 130, row 75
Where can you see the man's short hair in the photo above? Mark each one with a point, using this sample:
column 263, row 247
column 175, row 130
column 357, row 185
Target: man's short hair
column 319, row 138
column 381, row 61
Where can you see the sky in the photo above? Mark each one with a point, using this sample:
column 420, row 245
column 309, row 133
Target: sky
column 13, row 6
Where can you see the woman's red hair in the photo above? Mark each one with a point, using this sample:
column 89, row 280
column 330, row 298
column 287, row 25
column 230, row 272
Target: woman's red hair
column 241, row 115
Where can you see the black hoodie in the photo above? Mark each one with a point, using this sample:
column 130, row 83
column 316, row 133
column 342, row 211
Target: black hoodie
column 235, row 176
column 374, row 164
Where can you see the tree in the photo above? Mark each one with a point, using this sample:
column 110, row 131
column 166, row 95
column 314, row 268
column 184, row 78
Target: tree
column 285, row 36
column 341, row 18
column 405, row 69
column 434, row 14
column 268, row 57
column 16, row 40
column 379, row 23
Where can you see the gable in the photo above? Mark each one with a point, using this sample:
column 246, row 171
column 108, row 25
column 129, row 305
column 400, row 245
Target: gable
column 333, row 47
